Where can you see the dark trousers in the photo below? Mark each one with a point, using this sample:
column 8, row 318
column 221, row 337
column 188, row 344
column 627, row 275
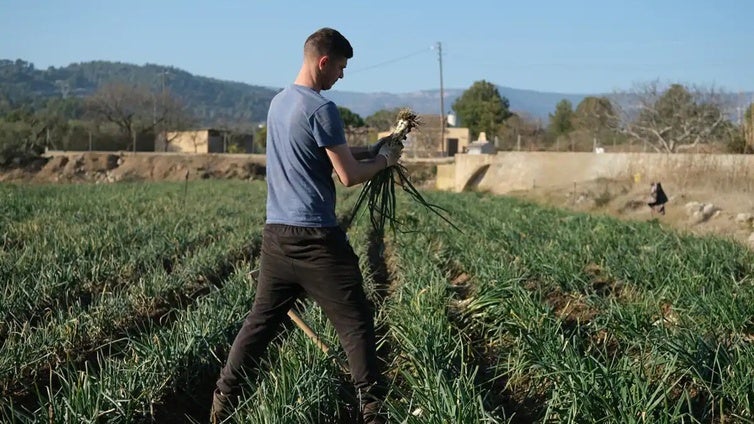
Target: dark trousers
column 320, row 263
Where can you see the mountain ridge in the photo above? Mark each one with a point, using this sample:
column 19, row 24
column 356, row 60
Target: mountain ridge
column 218, row 102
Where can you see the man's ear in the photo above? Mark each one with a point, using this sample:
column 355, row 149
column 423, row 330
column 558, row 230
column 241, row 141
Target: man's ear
column 323, row 61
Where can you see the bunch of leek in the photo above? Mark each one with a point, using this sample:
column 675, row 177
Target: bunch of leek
column 379, row 193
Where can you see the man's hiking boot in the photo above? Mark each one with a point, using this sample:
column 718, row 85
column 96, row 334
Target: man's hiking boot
column 371, row 403
column 371, row 413
column 222, row 407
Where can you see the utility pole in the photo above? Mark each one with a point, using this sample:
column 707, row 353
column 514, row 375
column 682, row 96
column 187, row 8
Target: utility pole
column 738, row 108
column 163, row 114
column 154, row 111
column 442, row 101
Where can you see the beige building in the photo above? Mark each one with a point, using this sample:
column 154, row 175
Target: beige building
column 424, row 141
column 200, row 141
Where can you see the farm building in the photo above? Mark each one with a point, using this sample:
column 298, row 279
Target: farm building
column 481, row 146
column 424, row 141
column 203, row 141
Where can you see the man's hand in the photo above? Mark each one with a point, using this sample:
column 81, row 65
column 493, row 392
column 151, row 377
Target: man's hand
column 374, row 149
column 392, row 153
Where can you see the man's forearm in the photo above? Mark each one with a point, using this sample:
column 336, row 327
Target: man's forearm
column 361, row 152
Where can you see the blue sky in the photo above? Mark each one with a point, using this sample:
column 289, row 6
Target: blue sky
column 561, row 46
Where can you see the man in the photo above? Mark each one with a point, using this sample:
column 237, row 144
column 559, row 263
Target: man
column 304, row 251
column 657, row 199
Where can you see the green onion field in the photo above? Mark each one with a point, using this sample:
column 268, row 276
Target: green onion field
column 118, row 303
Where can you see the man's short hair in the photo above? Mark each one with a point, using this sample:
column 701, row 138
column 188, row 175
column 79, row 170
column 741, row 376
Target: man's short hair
column 328, row 42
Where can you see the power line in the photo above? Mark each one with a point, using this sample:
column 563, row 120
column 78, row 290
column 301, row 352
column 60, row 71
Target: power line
column 388, row 62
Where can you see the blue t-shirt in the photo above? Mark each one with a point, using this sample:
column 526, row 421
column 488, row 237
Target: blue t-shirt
column 300, row 187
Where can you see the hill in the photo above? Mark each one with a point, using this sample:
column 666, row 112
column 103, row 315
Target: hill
column 215, row 101
column 212, row 101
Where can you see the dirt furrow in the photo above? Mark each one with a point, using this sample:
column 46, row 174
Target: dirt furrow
column 499, row 400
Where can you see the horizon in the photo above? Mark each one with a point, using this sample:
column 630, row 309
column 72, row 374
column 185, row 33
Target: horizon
column 751, row 92
column 580, row 49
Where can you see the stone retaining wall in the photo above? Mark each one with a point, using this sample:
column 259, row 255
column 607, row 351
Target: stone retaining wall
column 510, row 171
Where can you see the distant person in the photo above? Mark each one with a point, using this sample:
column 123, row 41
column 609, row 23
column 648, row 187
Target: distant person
column 657, row 199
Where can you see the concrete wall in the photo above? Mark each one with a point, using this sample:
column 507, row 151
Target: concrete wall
column 446, row 176
column 510, row 171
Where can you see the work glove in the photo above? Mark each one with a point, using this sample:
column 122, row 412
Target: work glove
column 391, row 152
column 374, row 149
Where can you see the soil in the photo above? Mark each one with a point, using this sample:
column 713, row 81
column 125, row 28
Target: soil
column 728, row 214
column 726, row 217
column 101, row 167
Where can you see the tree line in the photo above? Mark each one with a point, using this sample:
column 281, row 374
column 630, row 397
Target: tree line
column 114, row 106
column 660, row 118
column 651, row 117
column 107, row 106
column 129, row 116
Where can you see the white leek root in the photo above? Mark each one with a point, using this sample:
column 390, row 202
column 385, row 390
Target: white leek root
column 405, row 122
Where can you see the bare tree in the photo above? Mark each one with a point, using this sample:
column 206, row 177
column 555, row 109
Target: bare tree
column 673, row 119
column 748, row 128
column 135, row 110
column 521, row 131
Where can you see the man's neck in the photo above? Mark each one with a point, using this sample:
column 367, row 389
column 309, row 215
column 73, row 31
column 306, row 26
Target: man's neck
column 307, row 79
